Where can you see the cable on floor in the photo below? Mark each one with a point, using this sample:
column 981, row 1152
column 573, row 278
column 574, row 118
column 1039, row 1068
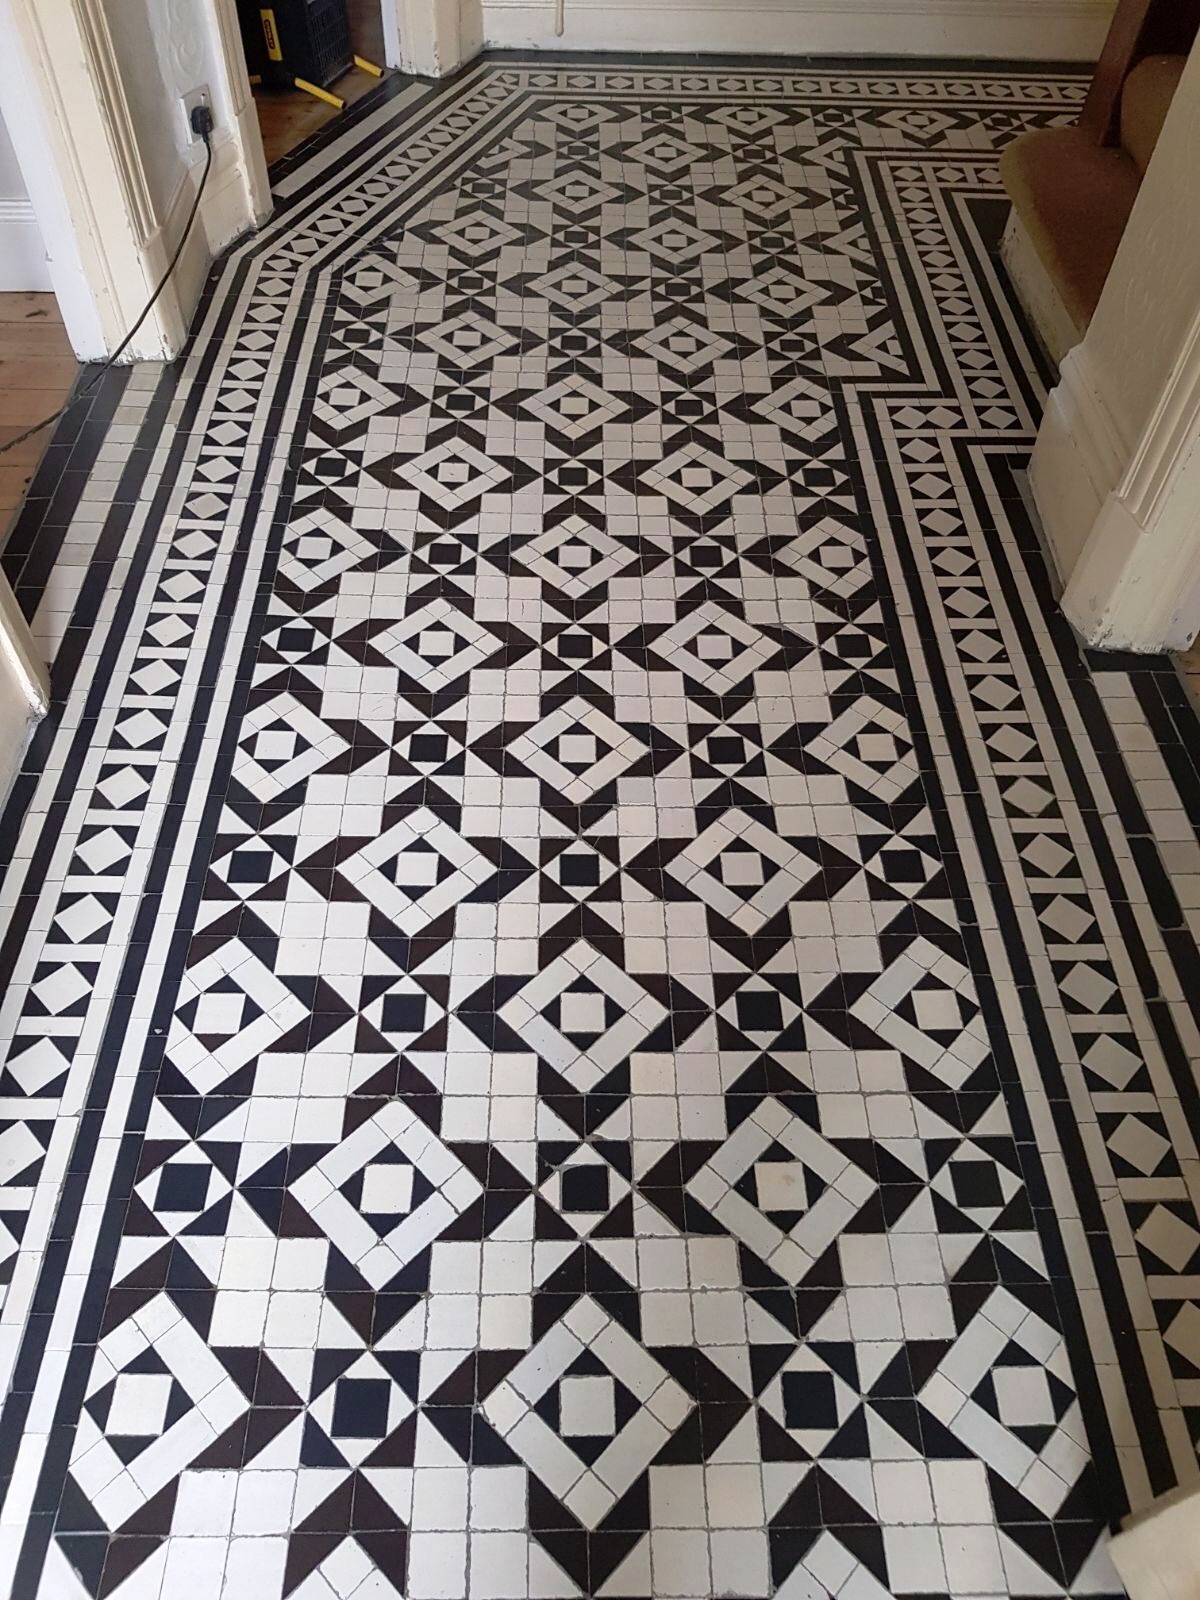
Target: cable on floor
column 206, row 135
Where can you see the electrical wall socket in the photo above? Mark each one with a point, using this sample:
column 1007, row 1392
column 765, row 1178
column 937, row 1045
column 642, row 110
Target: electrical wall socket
column 194, row 97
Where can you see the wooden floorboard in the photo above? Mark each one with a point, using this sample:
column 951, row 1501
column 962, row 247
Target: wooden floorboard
column 37, row 370
column 286, row 117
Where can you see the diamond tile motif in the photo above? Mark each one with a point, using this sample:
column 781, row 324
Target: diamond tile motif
column 587, row 1409
column 283, row 744
column 574, row 406
column 416, row 871
column 831, row 555
column 870, row 746
column 809, row 1399
column 574, row 557
column 577, row 750
column 454, row 474
column 156, row 1396
column 385, row 1192
column 231, row 1009
column 782, row 1189
column 585, row 1189
column 715, row 647
column 438, row 644
column 685, row 346
column 359, row 1408
column 742, row 870
column 319, row 546
column 693, row 476
column 583, row 1015
column 998, row 1391
column 924, row 1005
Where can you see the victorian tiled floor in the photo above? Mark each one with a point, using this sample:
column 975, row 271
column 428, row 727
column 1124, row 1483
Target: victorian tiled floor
column 599, row 1000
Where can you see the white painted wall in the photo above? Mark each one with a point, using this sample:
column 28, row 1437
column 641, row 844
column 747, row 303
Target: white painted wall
column 436, row 36
column 12, row 185
column 164, row 50
column 1116, row 469
column 91, row 92
column 150, row 93
column 1043, row 30
column 1153, row 291
column 23, row 263
column 29, row 129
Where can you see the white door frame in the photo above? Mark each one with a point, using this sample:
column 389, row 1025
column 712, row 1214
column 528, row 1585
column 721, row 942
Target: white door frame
column 1116, row 467
column 24, row 687
column 389, row 15
column 1135, row 584
column 241, row 103
column 77, row 145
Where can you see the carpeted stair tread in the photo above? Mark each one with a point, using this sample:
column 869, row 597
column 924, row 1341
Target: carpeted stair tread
column 1074, row 199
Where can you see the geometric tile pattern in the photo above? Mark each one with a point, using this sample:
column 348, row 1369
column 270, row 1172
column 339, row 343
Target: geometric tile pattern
column 592, row 997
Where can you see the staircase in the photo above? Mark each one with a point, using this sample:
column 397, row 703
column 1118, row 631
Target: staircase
column 1072, row 189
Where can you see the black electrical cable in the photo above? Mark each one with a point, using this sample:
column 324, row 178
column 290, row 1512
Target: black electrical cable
column 145, row 312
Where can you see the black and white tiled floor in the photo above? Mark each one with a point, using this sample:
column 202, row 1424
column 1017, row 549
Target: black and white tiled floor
column 597, row 1001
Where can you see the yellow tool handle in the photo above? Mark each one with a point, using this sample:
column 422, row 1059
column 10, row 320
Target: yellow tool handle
column 321, row 94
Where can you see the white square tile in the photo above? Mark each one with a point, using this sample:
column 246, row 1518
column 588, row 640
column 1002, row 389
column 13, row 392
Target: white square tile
column 680, row 1564
column 254, row 1567
column 973, row 1560
column 499, row 1565
column 139, row 1403
column 439, row 1498
column 740, row 1563
column 264, row 1501
column 204, row 1503
column 914, row 1560
column 735, row 1496
column 437, row 1566
column 498, row 1497
column 587, row 1406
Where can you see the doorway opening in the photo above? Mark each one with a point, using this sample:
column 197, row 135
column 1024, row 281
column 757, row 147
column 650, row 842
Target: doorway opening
column 37, row 365
column 308, row 61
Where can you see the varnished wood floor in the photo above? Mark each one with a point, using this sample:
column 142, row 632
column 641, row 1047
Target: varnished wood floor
column 286, row 117
column 37, row 369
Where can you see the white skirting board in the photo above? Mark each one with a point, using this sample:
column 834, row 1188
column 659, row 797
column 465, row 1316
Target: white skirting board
column 1036, row 291
column 1028, row 30
column 23, row 263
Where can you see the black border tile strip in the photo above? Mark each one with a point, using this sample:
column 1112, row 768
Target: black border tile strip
column 1041, row 1040
column 39, row 527
column 55, row 1461
column 342, row 127
column 1133, row 817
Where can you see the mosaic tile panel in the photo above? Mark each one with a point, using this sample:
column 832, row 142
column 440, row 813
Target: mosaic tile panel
column 598, row 999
